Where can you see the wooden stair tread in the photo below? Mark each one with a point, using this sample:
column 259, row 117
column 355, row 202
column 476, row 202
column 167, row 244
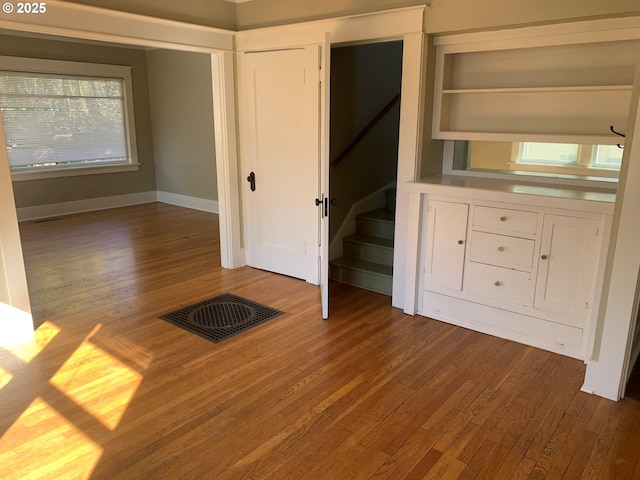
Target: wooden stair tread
column 373, row 268
column 381, row 214
column 369, row 240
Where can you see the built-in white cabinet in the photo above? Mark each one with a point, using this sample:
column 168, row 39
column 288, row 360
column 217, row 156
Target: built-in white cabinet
column 526, row 271
column 445, row 244
column 569, row 254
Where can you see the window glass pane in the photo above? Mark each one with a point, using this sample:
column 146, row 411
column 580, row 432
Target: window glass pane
column 537, row 159
column 548, row 153
column 57, row 121
column 608, row 156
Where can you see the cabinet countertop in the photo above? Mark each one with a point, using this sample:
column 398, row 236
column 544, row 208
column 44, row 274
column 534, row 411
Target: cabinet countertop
column 540, row 194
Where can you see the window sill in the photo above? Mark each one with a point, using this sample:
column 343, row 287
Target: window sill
column 72, row 172
column 569, row 171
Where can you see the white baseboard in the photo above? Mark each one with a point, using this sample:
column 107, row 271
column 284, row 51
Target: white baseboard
column 104, row 203
column 89, row 205
column 590, row 377
column 195, row 203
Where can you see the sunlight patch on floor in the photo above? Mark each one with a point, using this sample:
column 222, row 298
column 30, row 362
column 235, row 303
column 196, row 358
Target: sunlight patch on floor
column 42, row 444
column 98, row 382
column 27, row 351
column 5, row 377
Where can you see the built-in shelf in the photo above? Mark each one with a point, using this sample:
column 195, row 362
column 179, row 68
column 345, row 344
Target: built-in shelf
column 570, row 93
column 586, row 88
column 513, row 136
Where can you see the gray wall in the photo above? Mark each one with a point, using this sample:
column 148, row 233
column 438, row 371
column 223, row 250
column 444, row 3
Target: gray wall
column 261, row 13
column 446, row 16
column 364, row 78
column 212, row 13
column 443, row 16
column 181, row 98
column 41, row 192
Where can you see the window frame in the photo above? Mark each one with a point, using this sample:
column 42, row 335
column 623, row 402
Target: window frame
column 61, row 67
column 584, row 166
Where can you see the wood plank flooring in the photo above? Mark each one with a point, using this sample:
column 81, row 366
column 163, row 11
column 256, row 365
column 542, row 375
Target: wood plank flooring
column 110, row 391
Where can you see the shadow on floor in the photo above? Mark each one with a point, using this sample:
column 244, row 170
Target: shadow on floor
column 633, row 387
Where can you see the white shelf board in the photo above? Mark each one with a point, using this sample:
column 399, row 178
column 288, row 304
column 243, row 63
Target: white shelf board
column 577, row 89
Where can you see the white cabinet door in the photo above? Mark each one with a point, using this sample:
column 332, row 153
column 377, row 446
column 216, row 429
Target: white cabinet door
column 569, row 254
column 446, row 238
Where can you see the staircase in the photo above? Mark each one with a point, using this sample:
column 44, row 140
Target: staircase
column 367, row 260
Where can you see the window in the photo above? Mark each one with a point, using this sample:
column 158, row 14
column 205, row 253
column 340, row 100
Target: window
column 547, row 153
column 566, row 160
column 66, row 118
column 603, row 160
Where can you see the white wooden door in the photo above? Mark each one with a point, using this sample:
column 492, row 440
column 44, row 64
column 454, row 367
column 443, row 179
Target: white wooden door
column 325, row 96
column 567, row 265
column 446, row 238
column 280, row 153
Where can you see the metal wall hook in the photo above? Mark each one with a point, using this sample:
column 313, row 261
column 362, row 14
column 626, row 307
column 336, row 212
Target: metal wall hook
column 617, row 133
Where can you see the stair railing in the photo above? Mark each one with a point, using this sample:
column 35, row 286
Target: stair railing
column 363, row 133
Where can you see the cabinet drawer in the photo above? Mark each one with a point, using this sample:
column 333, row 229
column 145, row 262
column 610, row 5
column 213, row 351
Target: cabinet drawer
column 503, row 284
column 501, row 250
column 505, row 219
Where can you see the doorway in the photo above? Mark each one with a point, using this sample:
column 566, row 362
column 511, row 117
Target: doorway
column 173, row 131
column 366, row 82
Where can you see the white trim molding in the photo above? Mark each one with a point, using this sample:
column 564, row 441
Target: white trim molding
column 74, row 20
column 227, row 165
column 589, row 31
column 186, row 201
column 88, row 205
column 116, row 201
column 386, row 24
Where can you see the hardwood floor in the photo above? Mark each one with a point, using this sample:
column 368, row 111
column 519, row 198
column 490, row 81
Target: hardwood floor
column 110, row 391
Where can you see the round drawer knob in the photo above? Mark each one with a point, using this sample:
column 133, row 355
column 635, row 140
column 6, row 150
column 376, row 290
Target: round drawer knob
column 460, row 242
column 544, row 257
column 503, row 219
column 497, row 283
column 501, row 249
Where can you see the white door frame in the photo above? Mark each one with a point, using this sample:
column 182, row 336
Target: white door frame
column 608, row 369
column 84, row 23
column 404, row 24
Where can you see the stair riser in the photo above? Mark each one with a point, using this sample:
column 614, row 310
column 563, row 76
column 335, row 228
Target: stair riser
column 369, row 253
column 390, row 200
column 361, row 279
column 374, row 228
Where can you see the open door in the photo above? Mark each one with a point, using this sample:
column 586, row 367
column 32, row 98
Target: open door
column 280, row 146
column 325, row 98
